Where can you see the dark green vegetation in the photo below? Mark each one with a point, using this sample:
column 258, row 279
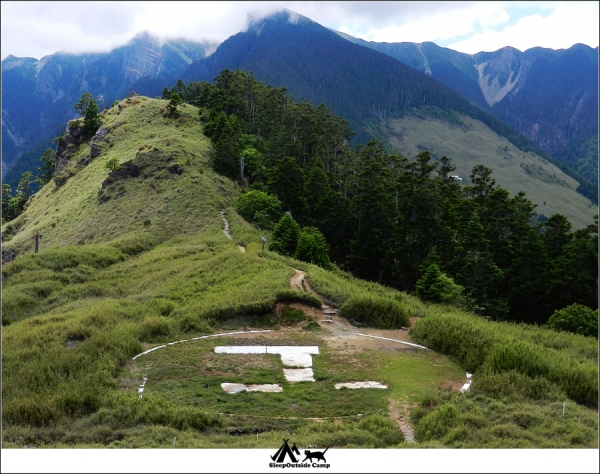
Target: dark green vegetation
column 134, row 257
column 470, row 143
column 382, row 213
column 569, row 362
column 575, row 318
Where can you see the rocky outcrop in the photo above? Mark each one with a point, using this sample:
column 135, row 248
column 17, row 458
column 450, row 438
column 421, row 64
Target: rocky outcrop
column 68, row 143
column 8, row 255
column 127, row 170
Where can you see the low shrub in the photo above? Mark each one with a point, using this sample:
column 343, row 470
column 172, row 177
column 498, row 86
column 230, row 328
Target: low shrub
column 155, row 329
column 437, row 424
column 298, row 296
column 125, row 411
column 312, row 326
column 493, row 348
column 375, row 311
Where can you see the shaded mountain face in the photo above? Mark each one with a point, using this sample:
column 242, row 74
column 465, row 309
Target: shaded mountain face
column 38, row 95
column 312, row 62
column 550, row 96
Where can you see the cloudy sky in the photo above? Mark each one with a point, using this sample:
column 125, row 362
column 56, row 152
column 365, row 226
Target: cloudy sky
column 36, row 29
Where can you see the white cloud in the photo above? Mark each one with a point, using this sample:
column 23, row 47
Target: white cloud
column 568, row 24
column 36, row 29
column 443, row 25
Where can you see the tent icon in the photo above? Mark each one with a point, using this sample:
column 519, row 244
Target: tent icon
column 284, row 451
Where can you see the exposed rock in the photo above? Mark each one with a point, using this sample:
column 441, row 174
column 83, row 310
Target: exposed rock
column 127, row 170
column 8, row 255
column 95, row 151
column 67, row 144
column 175, row 169
column 101, row 133
column 62, row 179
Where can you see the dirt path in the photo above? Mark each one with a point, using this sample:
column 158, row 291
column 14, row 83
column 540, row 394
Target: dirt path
column 226, row 230
column 400, row 413
column 225, row 224
column 296, row 280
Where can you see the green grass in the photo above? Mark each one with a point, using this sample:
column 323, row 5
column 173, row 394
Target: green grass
column 476, row 421
column 469, row 143
column 489, row 347
column 120, row 275
column 173, row 203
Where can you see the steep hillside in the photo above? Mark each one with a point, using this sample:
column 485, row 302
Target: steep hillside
column 452, row 68
column 289, row 50
column 166, row 185
column 470, row 142
column 38, row 95
column 549, row 96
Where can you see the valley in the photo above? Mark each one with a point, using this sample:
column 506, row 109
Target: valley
column 470, row 142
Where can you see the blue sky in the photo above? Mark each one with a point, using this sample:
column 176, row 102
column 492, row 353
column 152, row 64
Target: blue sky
column 36, row 29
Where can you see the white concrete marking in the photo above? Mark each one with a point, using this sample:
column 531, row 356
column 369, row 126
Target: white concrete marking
column 395, row 340
column 368, row 384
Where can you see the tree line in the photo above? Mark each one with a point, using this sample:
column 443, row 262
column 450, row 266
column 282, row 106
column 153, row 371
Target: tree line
column 402, row 222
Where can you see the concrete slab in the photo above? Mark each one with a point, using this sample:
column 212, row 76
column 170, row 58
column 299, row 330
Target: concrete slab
column 299, row 375
column 233, row 387
column 241, row 350
column 240, row 387
column 296, row 360
column 293, row 350
column 360, row 385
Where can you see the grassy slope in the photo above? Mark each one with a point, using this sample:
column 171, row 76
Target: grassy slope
column 80, row 312
column 513, row 169
column 174, row 203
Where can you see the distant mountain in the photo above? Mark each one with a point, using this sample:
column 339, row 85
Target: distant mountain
column 38, row 95
column 312, row 62
column 550, row 96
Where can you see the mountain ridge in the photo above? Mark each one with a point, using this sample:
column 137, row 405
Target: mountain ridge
column 520, row 89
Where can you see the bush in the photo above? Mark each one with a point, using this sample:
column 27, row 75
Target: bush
column 298, row 296
column 155, row 329
column 514, row 384
column 375, row 311
column 437, row 423
column 125, row 411
column 312, row 247
column 577, row 318
column 259, row 208
column 494, row 348
column 312, row 326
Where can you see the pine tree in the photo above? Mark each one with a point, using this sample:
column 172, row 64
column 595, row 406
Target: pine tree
column 46, row 171
column 7, row 214
column 285, row 236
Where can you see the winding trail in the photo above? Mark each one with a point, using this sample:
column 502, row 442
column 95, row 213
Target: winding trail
column 330, row 314
column 226, row 230
column 344, row 331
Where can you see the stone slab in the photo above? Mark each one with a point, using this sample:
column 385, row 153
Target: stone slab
column 240, row 387
column 299, row 375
